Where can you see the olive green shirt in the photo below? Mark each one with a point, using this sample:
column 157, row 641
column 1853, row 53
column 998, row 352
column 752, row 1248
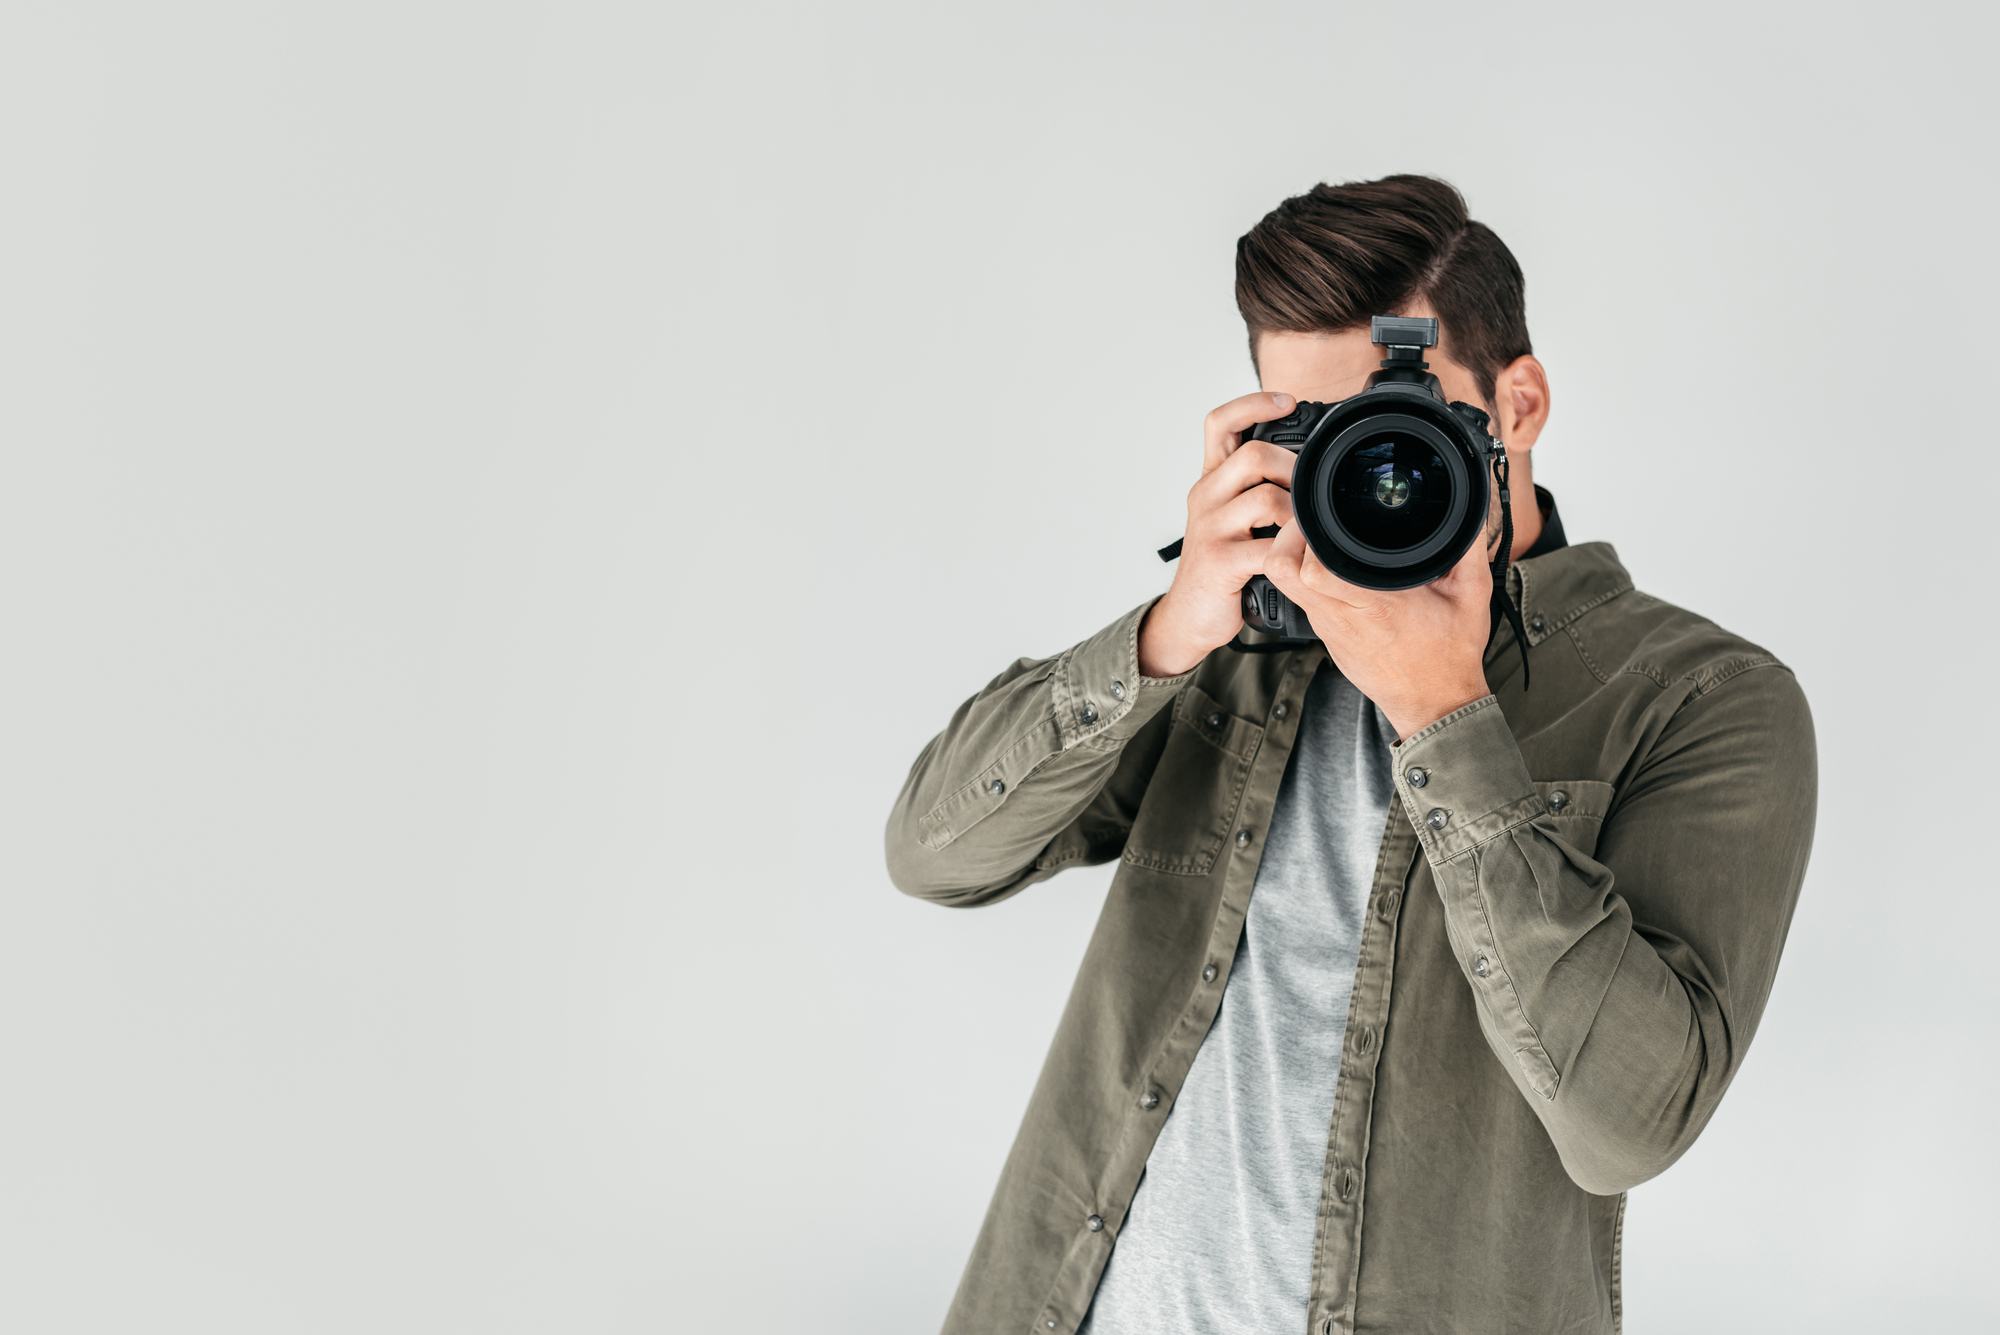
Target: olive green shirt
column 1577, row 912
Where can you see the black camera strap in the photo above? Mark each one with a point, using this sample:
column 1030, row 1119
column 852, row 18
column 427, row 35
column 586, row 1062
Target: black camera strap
column 1503, row 604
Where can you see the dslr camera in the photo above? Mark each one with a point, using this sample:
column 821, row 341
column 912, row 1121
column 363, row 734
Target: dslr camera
column 1391, row 486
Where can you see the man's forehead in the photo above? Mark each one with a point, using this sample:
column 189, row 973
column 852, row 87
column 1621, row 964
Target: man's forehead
column 1319, row 366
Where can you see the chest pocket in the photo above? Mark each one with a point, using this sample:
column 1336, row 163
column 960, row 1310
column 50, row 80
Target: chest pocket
column 1576, row 809
column 1190, row 803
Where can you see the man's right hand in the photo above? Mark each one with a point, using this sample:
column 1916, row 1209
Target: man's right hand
column 1244, row 485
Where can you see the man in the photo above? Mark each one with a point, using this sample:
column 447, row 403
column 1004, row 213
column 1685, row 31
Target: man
column 1427, row 942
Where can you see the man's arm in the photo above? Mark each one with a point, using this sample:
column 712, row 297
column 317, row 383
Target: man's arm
column 1622, row 1008
column 1044, row 769
column 1623, row 1004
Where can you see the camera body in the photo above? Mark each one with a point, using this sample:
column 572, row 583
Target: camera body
column 1392, row 486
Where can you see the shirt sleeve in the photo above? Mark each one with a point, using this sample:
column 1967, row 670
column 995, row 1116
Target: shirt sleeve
column 1042, row 769
column 1621, row 987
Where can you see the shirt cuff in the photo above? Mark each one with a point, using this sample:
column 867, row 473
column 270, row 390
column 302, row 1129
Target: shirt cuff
column 1463, row 782
column 1099, row 693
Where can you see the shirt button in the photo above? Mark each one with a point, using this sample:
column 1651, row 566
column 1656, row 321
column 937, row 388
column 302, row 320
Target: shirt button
column 996, row 787
column 1151, row 1100
column 1243, row 838
column 1215, row 720
column 1088, row 713
column 1436, row 820
column 1095, row 1223
column 1417, row 777
column 1558, row 800
column 1280, row 712
column 1536, row 624
column 1479, row 966
column 1208, row 974
column 1117, row 690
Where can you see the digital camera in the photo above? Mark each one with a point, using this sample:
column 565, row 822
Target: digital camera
column 1391, row 486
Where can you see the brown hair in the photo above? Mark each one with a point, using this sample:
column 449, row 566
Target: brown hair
column 1330, row 259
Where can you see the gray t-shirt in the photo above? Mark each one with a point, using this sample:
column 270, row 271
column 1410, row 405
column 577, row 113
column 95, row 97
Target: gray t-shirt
column 1220, row 1234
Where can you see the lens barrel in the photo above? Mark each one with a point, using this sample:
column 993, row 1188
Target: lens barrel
column 1391, row 486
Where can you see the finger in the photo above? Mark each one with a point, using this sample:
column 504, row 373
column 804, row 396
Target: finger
column 1314, row 575
column 1223, row 431
column 1253, row 464
column 1255, row 508
column 1281, row 564
column 1471, row 578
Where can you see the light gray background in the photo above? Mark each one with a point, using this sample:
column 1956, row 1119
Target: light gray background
column 494, row 497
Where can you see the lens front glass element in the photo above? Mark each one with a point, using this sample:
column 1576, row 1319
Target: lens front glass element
column 1391, row 491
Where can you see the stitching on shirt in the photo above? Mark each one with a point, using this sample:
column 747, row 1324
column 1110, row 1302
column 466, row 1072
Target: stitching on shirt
column 1446, row 859
column 1463, row 711
column 1584, row 653
column 1651, row 673
column 1729, row 669
column 1570, row 617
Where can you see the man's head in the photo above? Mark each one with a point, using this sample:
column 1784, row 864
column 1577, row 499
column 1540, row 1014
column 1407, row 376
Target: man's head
column 1317, row 268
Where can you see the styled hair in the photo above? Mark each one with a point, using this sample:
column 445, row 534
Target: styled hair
column 1334, row 257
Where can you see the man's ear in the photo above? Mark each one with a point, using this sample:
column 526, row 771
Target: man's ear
column 1521, row 393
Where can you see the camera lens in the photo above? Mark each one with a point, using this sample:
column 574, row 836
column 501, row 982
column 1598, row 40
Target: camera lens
column 1392, row 491
column 1391, row 487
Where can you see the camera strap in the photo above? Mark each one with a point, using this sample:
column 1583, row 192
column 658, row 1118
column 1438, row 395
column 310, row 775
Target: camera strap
column 1503, row 604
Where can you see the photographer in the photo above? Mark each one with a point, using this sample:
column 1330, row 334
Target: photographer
column 1434, row 933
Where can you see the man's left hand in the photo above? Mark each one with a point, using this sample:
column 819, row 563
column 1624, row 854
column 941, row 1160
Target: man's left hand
column 1417, row 653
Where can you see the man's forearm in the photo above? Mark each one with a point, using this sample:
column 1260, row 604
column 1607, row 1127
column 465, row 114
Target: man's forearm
column 1018, row 766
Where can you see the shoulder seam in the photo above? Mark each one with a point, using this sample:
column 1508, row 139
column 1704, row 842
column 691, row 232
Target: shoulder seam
column 1731, row 668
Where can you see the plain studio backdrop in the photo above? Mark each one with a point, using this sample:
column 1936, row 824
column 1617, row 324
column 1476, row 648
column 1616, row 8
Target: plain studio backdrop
column 495, row 496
